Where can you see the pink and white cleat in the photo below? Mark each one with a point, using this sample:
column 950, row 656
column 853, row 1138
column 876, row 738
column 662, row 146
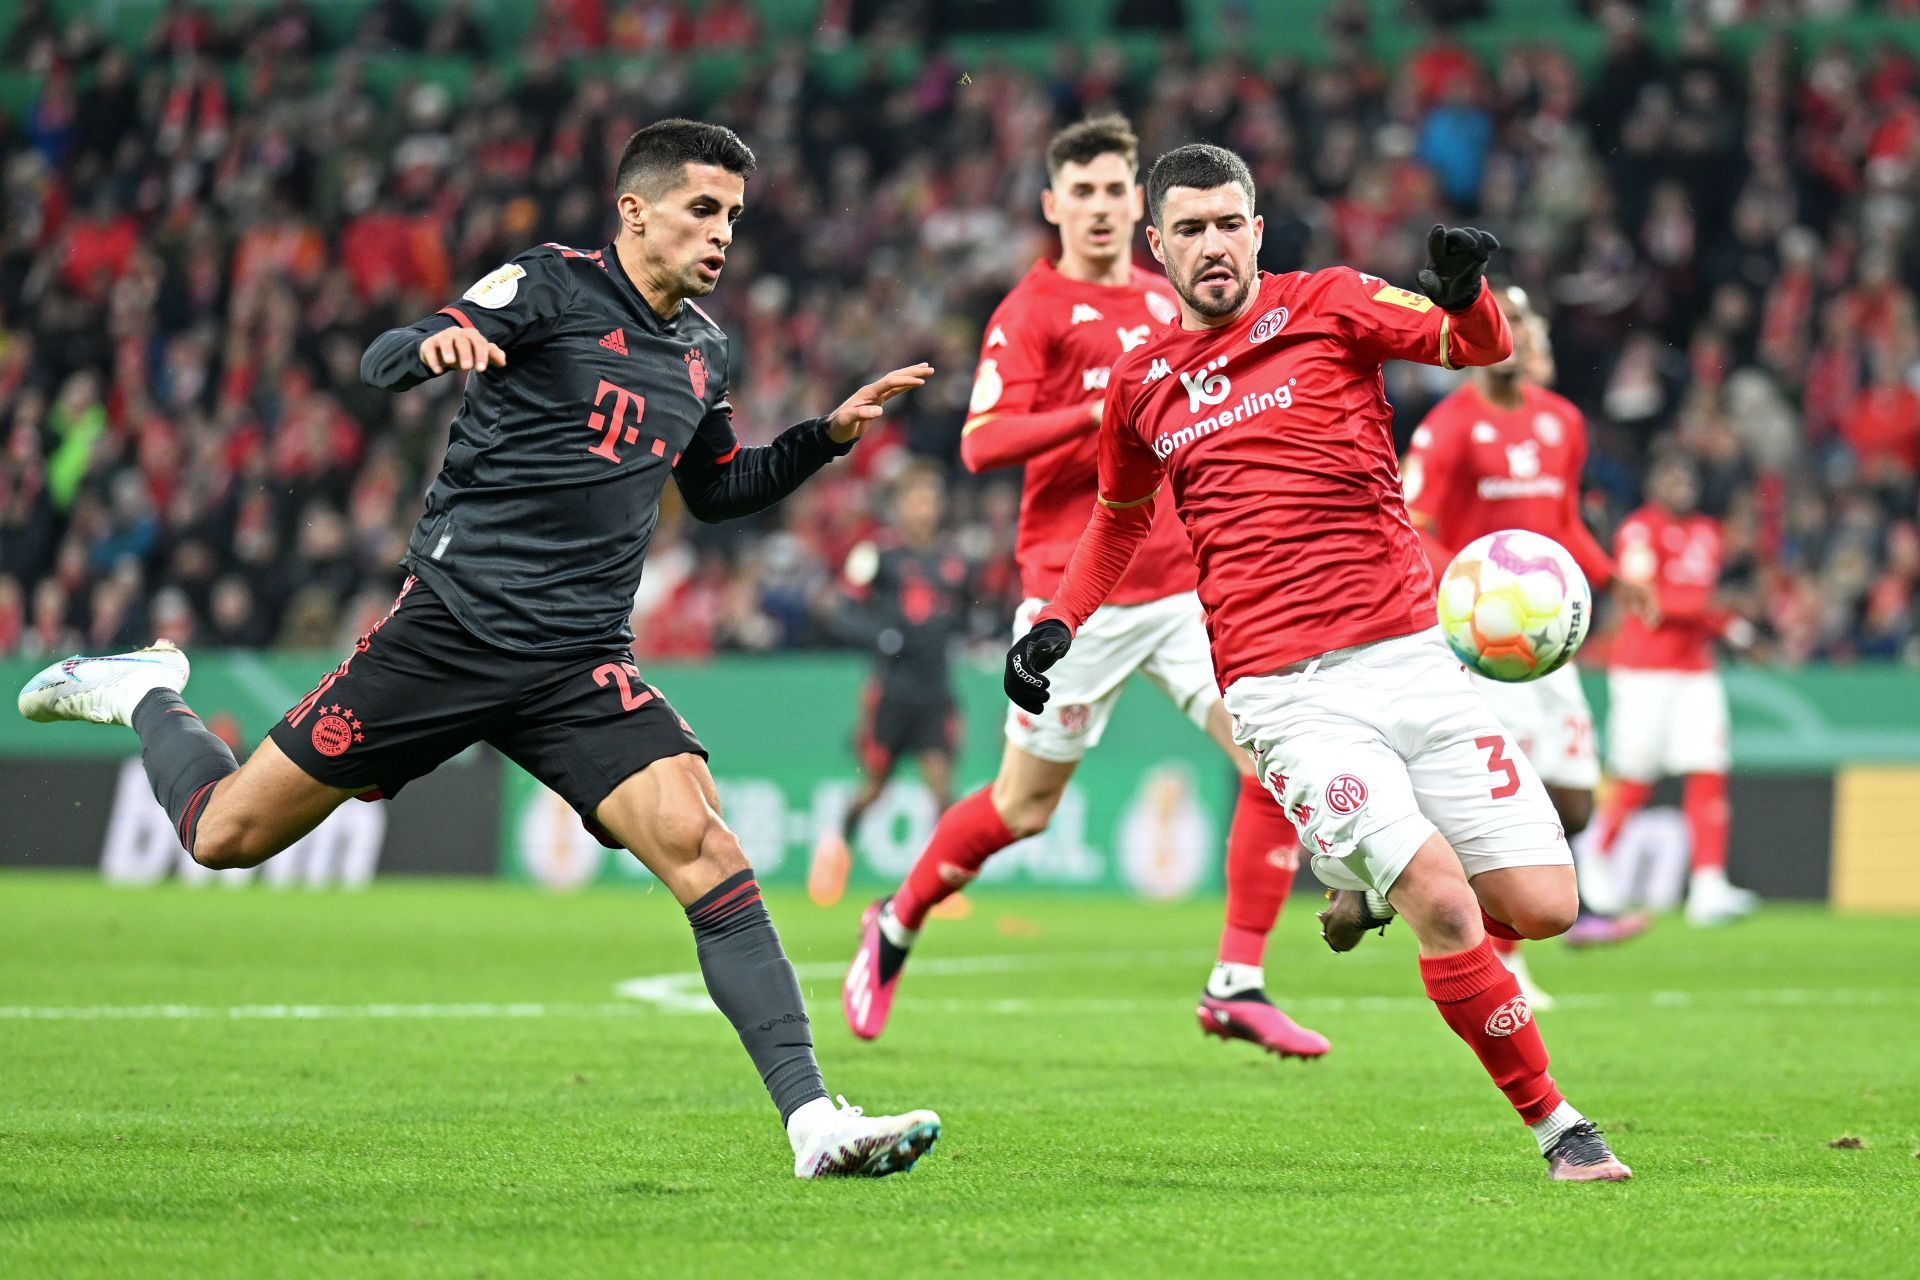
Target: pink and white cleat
column 1593, row 930
column 866, row 997
column 1251, row 1016
column 1582, row 1155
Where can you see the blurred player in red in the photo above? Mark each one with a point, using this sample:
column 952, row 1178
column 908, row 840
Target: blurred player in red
column 1666, row 705
column 1037, row 402
column 1503, row 452
column 1264, row 415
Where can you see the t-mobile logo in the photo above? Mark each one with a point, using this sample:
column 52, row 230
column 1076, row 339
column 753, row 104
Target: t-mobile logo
column 1206, row 387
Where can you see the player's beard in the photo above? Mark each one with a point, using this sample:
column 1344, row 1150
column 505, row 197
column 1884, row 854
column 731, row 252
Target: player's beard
column 1210, row 307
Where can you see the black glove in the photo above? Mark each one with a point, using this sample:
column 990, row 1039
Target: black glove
column 1030, row 656
column 1456, row 260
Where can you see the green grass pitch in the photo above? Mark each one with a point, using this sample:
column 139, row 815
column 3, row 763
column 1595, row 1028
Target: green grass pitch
column 440, row 1079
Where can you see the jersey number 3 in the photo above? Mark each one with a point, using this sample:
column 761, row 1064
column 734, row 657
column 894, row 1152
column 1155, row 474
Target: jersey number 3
column 1497, row 762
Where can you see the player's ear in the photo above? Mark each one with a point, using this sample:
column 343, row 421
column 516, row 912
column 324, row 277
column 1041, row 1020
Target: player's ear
column 1137, row 207
column 1154, row 246
column 633, row 212
column 1259, row 229
column 1047, row 207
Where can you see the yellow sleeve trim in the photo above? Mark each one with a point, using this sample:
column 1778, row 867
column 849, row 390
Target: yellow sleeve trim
column 1111, row 505
column 1446, row 342
column 981, row 421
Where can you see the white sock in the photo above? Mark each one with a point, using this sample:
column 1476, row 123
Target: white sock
column 1547, row 1132
column 809, row 1120
column 895, row 932
column 1229, row 980
column 1378, row 906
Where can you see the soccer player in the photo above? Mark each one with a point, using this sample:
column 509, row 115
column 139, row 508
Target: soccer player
column 1037, row 401
column 591, row 378
column 1666, row 705
column 1264, row 414
column 911, row 611
column 1504, row 452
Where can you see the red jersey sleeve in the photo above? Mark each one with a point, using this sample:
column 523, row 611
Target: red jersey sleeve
column 1002, row 429
column 1385, row 322
column 1574, row 534
column 1130, row 476
column 1430, row 477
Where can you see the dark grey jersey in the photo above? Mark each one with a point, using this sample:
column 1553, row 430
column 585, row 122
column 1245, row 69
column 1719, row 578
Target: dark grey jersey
column 537, row 526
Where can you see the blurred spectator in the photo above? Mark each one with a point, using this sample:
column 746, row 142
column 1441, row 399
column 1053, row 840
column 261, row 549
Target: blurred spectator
column 206, row 229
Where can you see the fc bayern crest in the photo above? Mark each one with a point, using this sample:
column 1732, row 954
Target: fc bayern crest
column 1268, row 325
column 697, row 373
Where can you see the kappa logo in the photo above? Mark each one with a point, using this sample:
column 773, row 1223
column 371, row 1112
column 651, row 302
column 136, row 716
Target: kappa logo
column 998, row 338
column 1509, row 1017
column 1084, row 314
column 697, row 373
column 1206, row 387
column 1267, row 326
column 1134, row 337
column 1156, row 371
column 1095, row 379
column 616, row 342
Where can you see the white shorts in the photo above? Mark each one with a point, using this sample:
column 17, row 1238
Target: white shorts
column 1553, row 724
column 1164, row 640
column 1662, row 723
column 1372, row 749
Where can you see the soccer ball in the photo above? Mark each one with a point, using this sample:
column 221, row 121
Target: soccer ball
column 1514, row 606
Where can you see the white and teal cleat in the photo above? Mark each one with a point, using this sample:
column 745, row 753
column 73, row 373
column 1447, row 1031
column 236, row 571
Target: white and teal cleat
column 103, row 690
column 856, row 1145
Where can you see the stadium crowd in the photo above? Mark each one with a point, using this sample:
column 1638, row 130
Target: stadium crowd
column 198, row 237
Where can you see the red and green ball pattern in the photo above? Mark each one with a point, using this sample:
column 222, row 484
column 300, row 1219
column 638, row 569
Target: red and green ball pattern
column 1514, row 606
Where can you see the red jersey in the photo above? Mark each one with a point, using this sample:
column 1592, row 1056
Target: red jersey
column 1476, row 468
column 1275, row 435
column 1046, row 357
column 1679, row 557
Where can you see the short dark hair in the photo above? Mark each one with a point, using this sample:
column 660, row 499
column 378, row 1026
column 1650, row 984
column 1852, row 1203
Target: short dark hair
column 655, row 158
column 1087, row 140
column 1199, row 165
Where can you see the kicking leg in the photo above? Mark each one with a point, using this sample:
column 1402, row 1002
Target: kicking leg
column 1263, row 853
column 1482, row 1003
column 668, row 816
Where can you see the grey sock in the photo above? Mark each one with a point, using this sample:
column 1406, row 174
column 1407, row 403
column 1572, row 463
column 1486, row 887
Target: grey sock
column 751, row 980
column 183, row 759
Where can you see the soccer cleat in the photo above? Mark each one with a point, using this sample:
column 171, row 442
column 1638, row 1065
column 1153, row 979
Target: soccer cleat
column 866, row 997
column 856, row 1145
column 1712, row 901
column 103, row 690
column 1595, row 930
column 1250, row 1016
column 1582, row 1155
column 1537, row 1000
column 1349, row 914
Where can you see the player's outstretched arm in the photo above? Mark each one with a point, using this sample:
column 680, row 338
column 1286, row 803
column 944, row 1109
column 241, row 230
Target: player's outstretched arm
column 994, row 440
column 410, row 355
column 722, row 480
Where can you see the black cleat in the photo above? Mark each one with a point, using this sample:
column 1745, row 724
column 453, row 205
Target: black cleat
column 1582, row 1155
column 1348, row 918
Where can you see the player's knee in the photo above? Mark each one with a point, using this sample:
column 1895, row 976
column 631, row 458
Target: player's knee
column 1545, row 919
column 225, row 842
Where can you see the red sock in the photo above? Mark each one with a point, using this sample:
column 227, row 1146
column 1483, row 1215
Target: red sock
column 1481, row 1001
column 1503, row 946
column 1623, row 801
column 1704, row 799
column 965, row 837
column 1496, row 930
column 1262, row 854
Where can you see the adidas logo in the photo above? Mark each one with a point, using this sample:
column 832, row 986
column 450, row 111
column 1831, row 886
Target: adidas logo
column 616, row 341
